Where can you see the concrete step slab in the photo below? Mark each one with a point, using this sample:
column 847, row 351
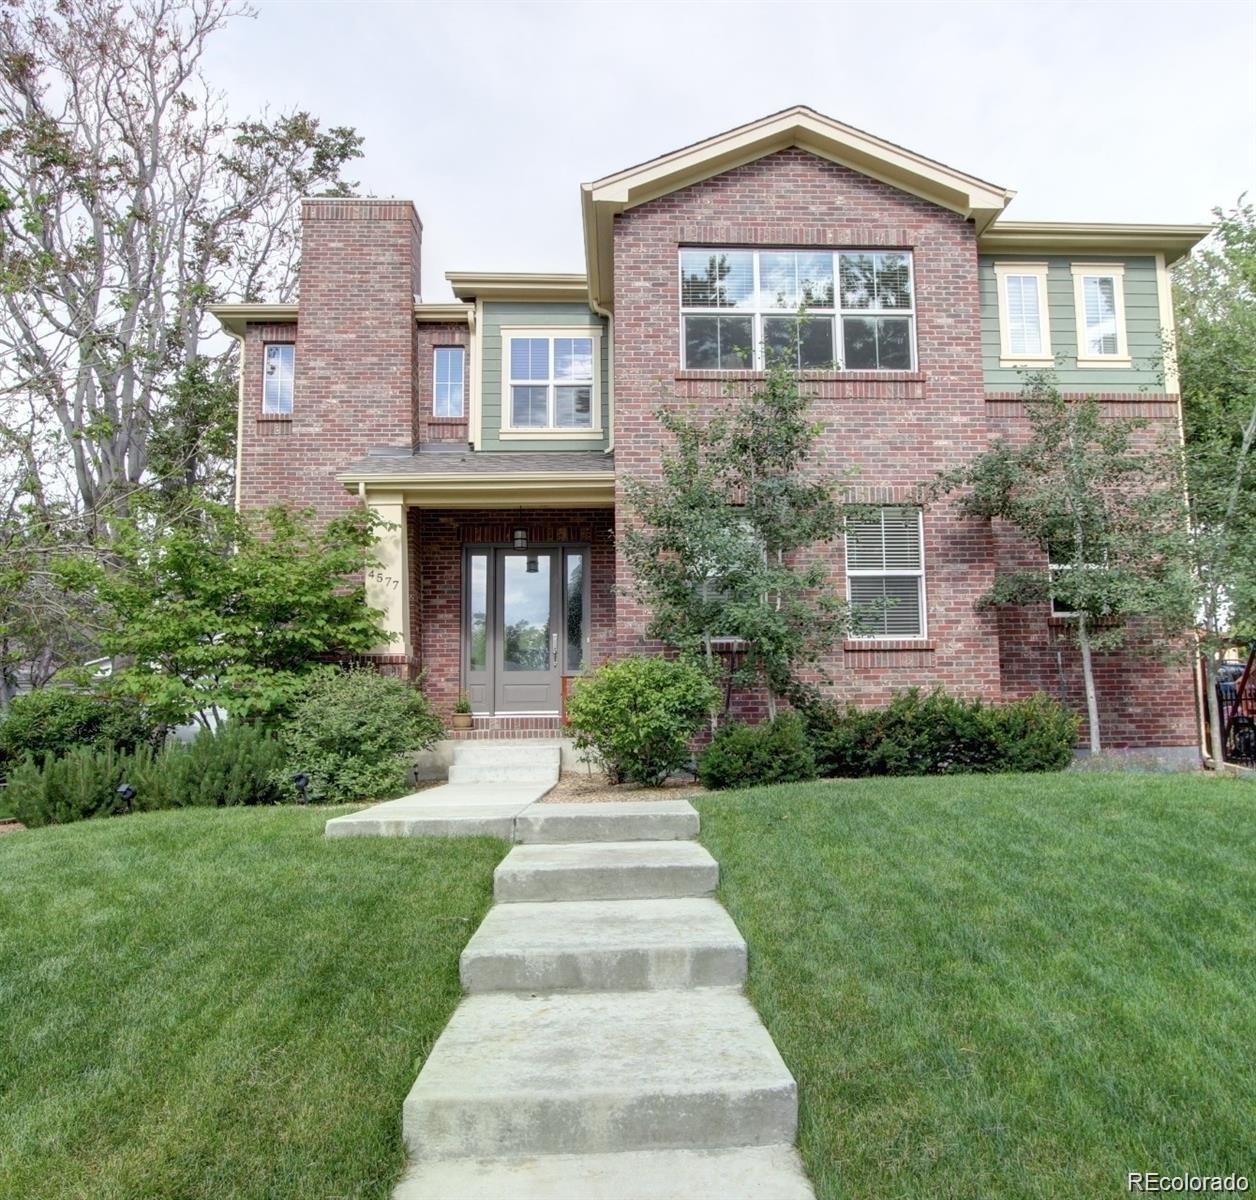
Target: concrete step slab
column 756, row 1173
column 605, row 871
column 620, row 821
column 449, row 811
column 508, row 753
column 604, row 945
column 600, row 1072
column 462, row 773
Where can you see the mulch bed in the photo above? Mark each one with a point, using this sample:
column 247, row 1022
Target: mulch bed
column 581, row 787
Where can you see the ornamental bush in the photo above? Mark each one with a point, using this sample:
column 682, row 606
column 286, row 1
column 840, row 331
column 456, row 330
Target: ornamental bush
column 53, row 720
column 355, row 734
column 237, row 765
column 776, row 751
column 634, row 718
column 935, row 734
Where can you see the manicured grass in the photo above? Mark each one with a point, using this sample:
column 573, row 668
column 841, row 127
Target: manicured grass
column 1003, row 986
column 219, row 1003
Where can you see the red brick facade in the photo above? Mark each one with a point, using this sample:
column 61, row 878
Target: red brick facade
column 364, row 379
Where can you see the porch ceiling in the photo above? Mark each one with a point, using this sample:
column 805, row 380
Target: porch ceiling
column 448, row 478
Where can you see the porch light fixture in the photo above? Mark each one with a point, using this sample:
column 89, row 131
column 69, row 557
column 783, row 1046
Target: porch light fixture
column 532, row 564
column 521, row 539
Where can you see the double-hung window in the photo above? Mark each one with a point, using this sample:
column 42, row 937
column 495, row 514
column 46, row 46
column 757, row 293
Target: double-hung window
column 1099, row 301
column 885, row 573
column 278, row 360
column 1024, row 326
column 447, row 371
column 552, row 381
column 808, row 309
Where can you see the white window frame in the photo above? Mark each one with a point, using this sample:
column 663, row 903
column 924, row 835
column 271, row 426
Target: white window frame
column 1115, row 272
column 864, row 573
column 278, row 410
column 1008, row 357
column 551, row 431
column 835, row 313
column 460, row 415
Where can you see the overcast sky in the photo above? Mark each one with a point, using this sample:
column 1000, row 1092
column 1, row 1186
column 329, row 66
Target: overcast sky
column 490, row 115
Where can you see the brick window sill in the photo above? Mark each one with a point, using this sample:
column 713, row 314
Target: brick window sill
column 844, row 376
column 854, row 646
column 446, row 420
column 274, row 418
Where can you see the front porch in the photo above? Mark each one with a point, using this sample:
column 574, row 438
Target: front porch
column 496, row 577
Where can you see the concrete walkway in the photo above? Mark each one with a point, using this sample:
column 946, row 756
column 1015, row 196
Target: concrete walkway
column 604, row 1049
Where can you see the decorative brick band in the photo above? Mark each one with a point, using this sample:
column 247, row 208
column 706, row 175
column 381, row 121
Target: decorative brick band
column 866, row 645
column 1158, row 406
column 890, row 493
column 286, row 332
column 774, row 234
column 827, row 385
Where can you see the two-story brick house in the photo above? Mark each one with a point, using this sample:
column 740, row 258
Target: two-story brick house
column 495, row 433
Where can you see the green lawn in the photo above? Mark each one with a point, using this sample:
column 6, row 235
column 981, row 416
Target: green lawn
column 219, row 1003
column 1000, row 987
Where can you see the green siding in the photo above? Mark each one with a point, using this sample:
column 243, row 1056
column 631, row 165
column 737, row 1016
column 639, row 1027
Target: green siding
column 1142, row 327
column 502, row 313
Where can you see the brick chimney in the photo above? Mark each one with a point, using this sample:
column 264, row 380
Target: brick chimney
column 355, row 352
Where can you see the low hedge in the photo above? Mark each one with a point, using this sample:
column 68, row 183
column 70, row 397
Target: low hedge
column 54, row 720
column 931, row 733
column 236, row 765
column 776, row 751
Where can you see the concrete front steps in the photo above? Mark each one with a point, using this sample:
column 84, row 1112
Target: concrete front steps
column 605, row 945
column 605, row 871
column 489, row 762
column 605, row 1050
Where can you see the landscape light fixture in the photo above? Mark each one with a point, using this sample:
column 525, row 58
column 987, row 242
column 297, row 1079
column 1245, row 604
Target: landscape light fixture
column 128, row 793
column 302, row 780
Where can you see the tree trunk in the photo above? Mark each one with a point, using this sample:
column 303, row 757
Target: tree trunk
column 1215, row 730
column 1088, row 676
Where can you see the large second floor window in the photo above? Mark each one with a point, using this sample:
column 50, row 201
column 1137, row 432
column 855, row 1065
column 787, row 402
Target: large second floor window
column 552, row 381
column 278, row 361
column 811, row 309
column 447, row 367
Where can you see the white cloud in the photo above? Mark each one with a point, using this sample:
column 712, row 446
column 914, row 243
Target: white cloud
column 489, row 115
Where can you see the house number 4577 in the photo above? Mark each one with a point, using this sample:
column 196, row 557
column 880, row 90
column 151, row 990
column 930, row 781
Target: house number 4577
column 386, row 581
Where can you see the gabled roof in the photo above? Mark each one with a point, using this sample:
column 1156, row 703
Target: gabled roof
column 798, row 126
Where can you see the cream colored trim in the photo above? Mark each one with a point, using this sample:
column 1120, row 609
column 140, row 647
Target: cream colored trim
column 239, row 447
column 475, row 427
column 1065, row 237
column 1168, row 330
column 1116, row 272
column 1007, row 358
column 798, row 126
column 517, row 285
column 234, row 317
column 541, row 489
column 388, row 583
column 509, row 432
column 455, row 314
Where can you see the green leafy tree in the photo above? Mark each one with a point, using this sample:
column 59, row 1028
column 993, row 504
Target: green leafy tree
column 235, row 614
column 1107, row 511
column 1215, row 341
column 725, row 544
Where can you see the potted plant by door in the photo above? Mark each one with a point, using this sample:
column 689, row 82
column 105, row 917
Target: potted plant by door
column 462, row 712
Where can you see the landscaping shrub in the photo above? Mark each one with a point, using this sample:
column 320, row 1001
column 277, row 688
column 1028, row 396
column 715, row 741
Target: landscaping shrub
column 634, row 718
column 936, row 734
column 354, row 734
column 83, row 782
column 747, row 755
column 53, row 720
column 237, row 765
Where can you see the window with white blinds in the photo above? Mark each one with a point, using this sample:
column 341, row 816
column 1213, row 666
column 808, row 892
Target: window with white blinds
column 1024, row 328
column 885, row 573
column 278, row 363
column 1099, row 298
column 447, row 373
column 810, row 309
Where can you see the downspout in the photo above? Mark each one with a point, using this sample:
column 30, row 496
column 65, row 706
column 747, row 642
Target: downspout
column 239, row 454
column 610, row 371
